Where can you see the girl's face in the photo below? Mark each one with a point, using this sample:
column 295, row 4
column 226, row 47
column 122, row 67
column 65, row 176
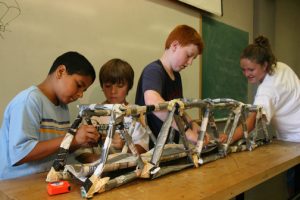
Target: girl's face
column 255, row 73
column 183, row 56
column 115, row 93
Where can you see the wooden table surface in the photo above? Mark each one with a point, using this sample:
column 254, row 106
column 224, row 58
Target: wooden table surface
column 221, row 179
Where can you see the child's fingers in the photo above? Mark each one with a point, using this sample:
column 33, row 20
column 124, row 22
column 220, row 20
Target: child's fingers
column 223, row 138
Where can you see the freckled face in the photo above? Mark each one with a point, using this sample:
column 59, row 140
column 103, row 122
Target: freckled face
column 115, row 93
column 255, row 73
column 183, row 56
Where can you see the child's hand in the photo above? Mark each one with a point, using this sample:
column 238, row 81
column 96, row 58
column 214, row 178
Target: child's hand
column 193, row 137
column 223, row 138
column 86, row 136
column 206, row 139
column 117, row 141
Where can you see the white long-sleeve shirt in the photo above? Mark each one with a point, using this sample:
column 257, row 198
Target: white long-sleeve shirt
column 279, row 94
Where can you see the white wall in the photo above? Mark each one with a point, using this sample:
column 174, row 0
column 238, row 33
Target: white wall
column 133, row 30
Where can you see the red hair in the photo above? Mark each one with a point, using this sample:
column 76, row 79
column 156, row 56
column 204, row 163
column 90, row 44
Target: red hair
column 185, row 35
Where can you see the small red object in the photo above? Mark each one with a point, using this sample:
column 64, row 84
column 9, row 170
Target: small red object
column 58, row 187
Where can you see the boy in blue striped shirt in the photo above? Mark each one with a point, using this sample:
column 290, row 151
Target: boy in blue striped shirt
column 36, row 120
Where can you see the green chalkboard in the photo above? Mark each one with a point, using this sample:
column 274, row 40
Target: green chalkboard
column 221, row 73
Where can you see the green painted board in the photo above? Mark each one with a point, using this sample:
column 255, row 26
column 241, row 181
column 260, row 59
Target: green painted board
column 221, row 73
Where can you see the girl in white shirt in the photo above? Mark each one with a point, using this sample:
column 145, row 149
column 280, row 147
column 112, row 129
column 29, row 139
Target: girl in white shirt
column 279, row 95
column 278, row 91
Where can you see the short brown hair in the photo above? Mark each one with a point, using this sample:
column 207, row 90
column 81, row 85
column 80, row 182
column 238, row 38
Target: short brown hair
column 185, row 35
column 116, row 71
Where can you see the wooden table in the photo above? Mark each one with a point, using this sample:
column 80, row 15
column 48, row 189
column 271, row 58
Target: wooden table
column 221, row 179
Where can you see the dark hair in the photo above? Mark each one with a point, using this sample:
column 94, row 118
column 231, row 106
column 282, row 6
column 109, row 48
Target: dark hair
column 185, row 35
column 260, row 52
column 116, row 71
column 75, row 63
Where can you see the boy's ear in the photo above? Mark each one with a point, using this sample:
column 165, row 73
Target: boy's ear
column 174, row 44
column 61, row 69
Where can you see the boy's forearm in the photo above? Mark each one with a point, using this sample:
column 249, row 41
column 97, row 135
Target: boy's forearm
column 41, row 150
